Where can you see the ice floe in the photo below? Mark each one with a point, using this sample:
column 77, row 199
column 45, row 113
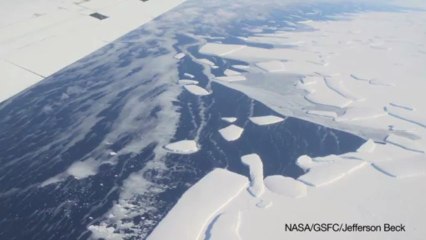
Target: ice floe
column 229, row 72
column 235, row 78
column 229, row 119
column 271, row 66
column 205, row 61
column 180, row 56
column 188, row 82
column 196, row 90
column 231, row 133
column 220, row 49
column 329, row 169
column 266, row 120
column 327, row 114
column 183, row 147
column 255, row 165
column 403, row 167
column 285, row 186
column 406, row 143
column 225, row 226
column 188, row 75
column 192, row 213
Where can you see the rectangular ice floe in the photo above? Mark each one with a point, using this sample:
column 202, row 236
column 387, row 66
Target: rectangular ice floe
column 182, row 147
column 198, row 205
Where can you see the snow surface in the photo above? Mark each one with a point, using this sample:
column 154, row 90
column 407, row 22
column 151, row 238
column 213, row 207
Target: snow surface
column 266, row 120
column 379, row 183
column 229, row 72
column 183, row 147
column 234, row 78
column 231, row 133
column 271, row 66
column 198, row 206
column 196, row 90
column 255, row 165
column 285, row 186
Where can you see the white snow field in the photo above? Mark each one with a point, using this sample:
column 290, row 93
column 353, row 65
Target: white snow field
column 182, row 147
column 364, row 74
column 196, row 208
column 39, row 37
column 196, row 90
column 266, row 120
column 231, row 133
column 386, row 187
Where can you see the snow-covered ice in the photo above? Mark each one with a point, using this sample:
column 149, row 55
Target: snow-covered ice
column 329, row 169
column 229, row 119
column 192, row 213
column 285, row 186
column 196, row 90
column 255, row 165
column 183, row 147
column 179, row 56
column 234, row 78
column 188, row 82
column 231, row 133
column 225, row 227
column 271, row 66
column 266, row 120
column 229, row 72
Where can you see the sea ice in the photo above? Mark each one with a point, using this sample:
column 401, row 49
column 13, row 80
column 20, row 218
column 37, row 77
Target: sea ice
column 229, row 72
column 188, row 82
column 231, row 133
column 225, row 227
column 229, row 119
column 180, row 56
column 220, row 49
column 330, row 170
column 192, row 213
column 188, row 75
column 406, row 143
column 285, row 186
column 205, row 61
column 235, row 78
column 327, row 114
column 403, row 167
column 271, row 66
column 255, row 165
column 196, row 90
column 266, row 120
column 183, row 147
